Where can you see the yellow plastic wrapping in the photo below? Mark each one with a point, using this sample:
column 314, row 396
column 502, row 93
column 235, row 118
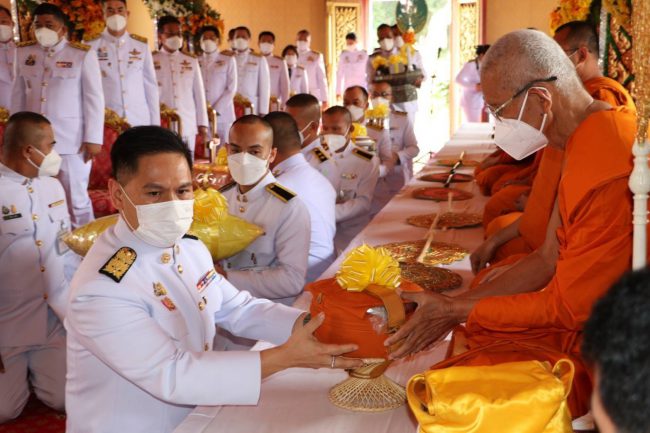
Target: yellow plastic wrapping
column 225, row 235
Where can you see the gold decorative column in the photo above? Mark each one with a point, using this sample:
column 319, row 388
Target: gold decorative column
column 342, row 18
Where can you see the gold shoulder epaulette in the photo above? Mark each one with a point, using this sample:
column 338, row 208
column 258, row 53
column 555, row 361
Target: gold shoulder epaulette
column 229, row 53
column 318, row 53
column 280, row 192
column 139, row 38
column 189, row 54
column 117, row 266
column 25, row 44
column 256, row 54
column 79, row 46
column 93, row 39
column 227, row 186
column 400, row 113
column 363, row 154
column 322, row 156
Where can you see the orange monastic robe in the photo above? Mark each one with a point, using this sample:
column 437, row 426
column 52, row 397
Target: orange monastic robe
column 610, row 91
column 505, row 169
column 595, row 240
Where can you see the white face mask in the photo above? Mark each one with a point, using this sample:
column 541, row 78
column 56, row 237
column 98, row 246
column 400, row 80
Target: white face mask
column 399, row 41
column 266, row 48
column 356, row 112
column 209, row 46
column 351, row 47
column 6, row 33
column 50, row 165
column 174, row 43
column 247, row 169
column 517, row 138
column 47, row 38
column 116, row 22
column 302, row 45
column 333, row 142
column 291, row 59
column 387, row 44
column 162, row 224
column 302, row 133
column 379, row 101
column 240, row 44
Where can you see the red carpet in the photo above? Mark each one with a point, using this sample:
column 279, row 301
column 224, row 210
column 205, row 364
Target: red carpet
column 36, row 418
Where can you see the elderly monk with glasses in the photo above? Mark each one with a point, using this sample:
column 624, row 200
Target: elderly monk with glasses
column 536, row 309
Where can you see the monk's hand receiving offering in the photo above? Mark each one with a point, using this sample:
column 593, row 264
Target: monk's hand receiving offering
column 432, row 320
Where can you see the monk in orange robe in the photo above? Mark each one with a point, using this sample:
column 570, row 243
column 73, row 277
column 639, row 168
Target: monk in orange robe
column 580, row 41
column 497, row 168
column 536, row 309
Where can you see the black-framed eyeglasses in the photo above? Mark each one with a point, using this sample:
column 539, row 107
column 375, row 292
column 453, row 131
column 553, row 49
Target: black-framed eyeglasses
column 495, row 111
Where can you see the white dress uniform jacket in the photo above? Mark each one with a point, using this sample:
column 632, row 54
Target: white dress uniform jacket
column 298, row 81
column 314, row 64
column 275, row 264
column 318, row 195
column 381, row 137
column 253, row 80
column 405, row 144
column 471, row 100
column 64, row 84
column 279, row 81
column 351, row 70
column 323, row 161
column 33, row 220
column 359, row 174
column 219, row 73
column 7, row 72
column 140, row 324
column 128, row 78
column 181, row 88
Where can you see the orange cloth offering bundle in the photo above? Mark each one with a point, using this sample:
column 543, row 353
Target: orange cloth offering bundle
column 368, row 279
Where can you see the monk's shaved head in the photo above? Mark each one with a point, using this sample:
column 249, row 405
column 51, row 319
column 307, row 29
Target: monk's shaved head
column 578, row 34
column 523, row 56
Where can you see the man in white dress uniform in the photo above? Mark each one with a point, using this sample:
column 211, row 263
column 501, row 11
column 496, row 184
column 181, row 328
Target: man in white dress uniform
column 253, row 79
column 7, row 57
column 351, row 69
column 145, row 301
column 314, row 64
column 62, row 81
column 278, row 72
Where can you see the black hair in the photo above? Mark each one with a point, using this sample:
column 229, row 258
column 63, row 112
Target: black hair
column 482, row 49
column 363, row 90
column 50, row 9
column 204, row 29
column 581, row 33
column 141, row 141
column 617, row 342
column 20, row 129
column 5, row 10
column 351, row 36
column 106, row 1
column 244, row 28
column 231, row 33
column 383, row 26
column 285, row 131
column 266, row 33
column 290, row 47
column 252, row 119
column 337, row 109
column 305, row 31
column 167, row 19
column 302, row 100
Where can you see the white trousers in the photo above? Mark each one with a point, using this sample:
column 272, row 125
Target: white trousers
column 74, row 175
column 42, row 366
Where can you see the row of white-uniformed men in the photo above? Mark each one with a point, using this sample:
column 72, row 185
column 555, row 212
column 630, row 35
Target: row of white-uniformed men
column 61, row 80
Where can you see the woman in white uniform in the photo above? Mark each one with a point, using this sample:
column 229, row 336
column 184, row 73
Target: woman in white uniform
column 469, row 78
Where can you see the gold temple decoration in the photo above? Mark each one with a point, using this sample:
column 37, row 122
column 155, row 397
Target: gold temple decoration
column 641, row 65
column 342, row 18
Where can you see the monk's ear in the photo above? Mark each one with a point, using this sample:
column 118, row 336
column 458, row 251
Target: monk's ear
column 545, row 97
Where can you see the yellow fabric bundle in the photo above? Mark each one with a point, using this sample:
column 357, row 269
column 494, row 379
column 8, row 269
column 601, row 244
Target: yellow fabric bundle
column 515, row 397
column 366, row 265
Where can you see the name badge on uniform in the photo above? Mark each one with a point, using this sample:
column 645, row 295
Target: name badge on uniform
column 251, row 63
column 185, row 66
column 206, row 280
column 102, row 53
column 220, row 63
column 30, row 60
column 66, row 65
column 10, row 213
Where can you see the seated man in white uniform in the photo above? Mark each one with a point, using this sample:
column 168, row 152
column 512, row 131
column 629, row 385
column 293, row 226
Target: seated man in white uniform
column 359, row 174
column 404, row 147
column 34, row 290
column 305, row 110
column 315, row 191
column 145, row 301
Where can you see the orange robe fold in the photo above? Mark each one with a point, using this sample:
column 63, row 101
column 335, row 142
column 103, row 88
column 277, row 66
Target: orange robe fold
column 505, row 169
column 610, row 91
column 595, row 241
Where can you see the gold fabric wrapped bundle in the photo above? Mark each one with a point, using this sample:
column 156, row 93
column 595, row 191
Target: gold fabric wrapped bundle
column 515, row 397
column 225, row 235
column 366, row 265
